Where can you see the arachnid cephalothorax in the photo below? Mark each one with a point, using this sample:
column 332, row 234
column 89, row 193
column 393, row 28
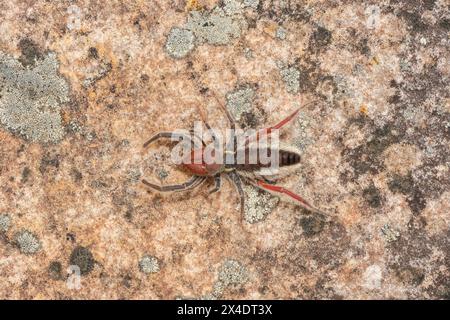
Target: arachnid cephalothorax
column 259, row 173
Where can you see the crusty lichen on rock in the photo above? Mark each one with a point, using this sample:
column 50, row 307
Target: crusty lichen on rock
column 240, row 100
column 31, row 98
column 27, row 242
column 149, row 264
column 5, row 222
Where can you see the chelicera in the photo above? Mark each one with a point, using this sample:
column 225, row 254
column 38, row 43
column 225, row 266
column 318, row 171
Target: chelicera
column 253, row 173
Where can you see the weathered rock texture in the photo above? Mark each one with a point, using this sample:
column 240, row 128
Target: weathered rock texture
column 84, row 83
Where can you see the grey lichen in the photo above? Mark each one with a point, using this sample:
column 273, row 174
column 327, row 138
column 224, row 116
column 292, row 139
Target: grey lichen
column 232, row 273
column 258, row 204
column 180, row 42
column 291, row 78
column 248, row 53
column 149, row 264
column 5, row 222
column 216, row 27
column 281, row 33
column 31, row 98
column 389, row 234
column 240, row 100
column 251, row 3
column 27, row 242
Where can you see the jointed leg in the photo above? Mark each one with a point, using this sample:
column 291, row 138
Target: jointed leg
column 192, row 183
column 291, row 195
column 267, row 131
column 171, row 135
column 234, row 177
column 227, row 113
column 217, row 183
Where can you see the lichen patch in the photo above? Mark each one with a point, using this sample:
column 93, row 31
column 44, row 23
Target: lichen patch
column 31, row 98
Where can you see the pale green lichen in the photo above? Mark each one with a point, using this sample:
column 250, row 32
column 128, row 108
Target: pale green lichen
column 251, row 3
column 180, row 42
column 5, row 222
column 216, row 27
column 232, row 273
column 258, row 204
column 240, row 100
column 291, row 78
column 149, row 264
column 27, row 242
column 31, row 98
column 219, row 26
column 389, row 233
column 281, row 33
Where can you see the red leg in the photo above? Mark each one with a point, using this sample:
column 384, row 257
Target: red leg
column 280, row 190
column 268, row 131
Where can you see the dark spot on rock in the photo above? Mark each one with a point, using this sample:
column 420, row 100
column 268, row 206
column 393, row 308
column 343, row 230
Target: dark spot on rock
column 129, row 214
column 394, row 99
column 55, row 270
column 372, row 196
column 251, row 23
column 406, row 186
column 112, row 89
column 363, row 46
column 417, row 202
column 283, row 11
column 49, row 160
column 99, row 184
column 416, row 223
column 145, row 77
column 414, row 20
column 410, row 276
column 30, row 52
column 311, row 225
column 393, row 84
column 70, row 237
column 429, row 4
column 204, row 90
column 93, row 53
column 320, row 39
column 127, row 281
column 25, row 174
column 445, row 24
column 248, row 120
column 401, row 184
column 76, row 175
column 366, row 158
column 82, row 257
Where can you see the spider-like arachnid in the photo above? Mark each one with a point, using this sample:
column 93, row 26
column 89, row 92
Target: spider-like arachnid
column 253, row 172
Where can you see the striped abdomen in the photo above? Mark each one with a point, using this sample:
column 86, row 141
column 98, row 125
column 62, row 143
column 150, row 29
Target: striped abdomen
column 262, row 160
column 288, row 158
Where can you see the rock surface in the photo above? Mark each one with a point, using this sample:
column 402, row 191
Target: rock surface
column 83, row 85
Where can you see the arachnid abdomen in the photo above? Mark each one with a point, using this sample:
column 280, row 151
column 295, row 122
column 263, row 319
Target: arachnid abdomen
column 262, row 158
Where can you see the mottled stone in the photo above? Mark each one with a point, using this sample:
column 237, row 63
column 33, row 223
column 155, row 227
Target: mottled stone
column 84, row 85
